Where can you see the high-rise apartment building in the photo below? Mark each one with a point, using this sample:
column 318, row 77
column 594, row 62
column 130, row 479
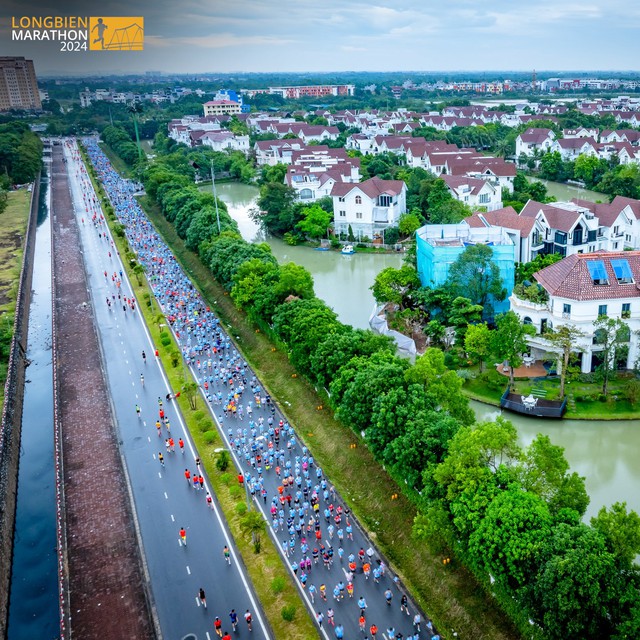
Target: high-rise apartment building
column 18, row 84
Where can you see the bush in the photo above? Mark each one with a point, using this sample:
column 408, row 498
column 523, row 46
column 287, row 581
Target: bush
column 288, row 612
column 165, row 340
column 174, row 355
column 235, row 491
column 602, row 397
column 210, row 437
column 199, row 415
column 451, row 360
column 278, row 584
column 205, row 426
column 465, row 374
column 335, row 243
column 222, row 461
column 226, row 478
column 241, row 508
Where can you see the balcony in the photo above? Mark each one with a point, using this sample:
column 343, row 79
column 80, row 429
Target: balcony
column 521, row 303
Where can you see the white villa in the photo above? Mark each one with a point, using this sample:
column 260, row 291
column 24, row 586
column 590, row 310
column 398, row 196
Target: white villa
column 583, row 287
column 369, row 207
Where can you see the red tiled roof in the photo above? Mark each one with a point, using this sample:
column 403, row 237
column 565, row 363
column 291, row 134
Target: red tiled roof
column 535, row 136
column 570, row 278
column 372, row 187
column 506, row 217
column 456, row 182
column 558, row 218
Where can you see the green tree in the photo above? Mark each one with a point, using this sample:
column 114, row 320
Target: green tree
column 525, row 270
column 339, row 346
column 442, row 385
column 477, row 343
column 544, row 471
column 253, row 526
column 621, row 530
column 463, row 314
column 358, row 384
column 475, row 276
column 315, row 222
column 509, row 340
column 610, row 334
column 276, row 207
column 515, row 526
column 475, row 469
column 395, row 286
column 423, row 442
column 572, row 592
column 565, row 338
column 408, row 224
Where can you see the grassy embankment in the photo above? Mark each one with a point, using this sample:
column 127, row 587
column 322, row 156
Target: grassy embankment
column 583, row 397
column 13, row 225
column 272, row 581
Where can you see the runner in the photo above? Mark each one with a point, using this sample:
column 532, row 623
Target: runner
column 183, row 536
column 217, row 626
column 201, row 594
column 247, row 617
column 226, row 554
column 233, row 616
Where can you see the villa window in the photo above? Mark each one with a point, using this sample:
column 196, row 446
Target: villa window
column 340, row 198
column 343, row 214
column 484, row 198
column 358, row 199
column 626, row 309
column 566, row 310
column 602, row 310
column 359, row 215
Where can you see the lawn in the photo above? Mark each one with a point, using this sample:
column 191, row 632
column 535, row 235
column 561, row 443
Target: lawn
column 13, row 225
column 448, row 593
column 583, row 397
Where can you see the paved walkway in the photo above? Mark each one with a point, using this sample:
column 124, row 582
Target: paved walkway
column 105, row 578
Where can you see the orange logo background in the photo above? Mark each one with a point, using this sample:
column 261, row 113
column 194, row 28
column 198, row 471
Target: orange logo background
column 116, row 33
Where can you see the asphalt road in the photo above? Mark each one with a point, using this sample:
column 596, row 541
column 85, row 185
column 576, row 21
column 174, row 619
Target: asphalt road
column 164, row 502
column 346, row 609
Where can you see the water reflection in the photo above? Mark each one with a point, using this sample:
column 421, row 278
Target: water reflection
column 604, row 452
column 341, row 281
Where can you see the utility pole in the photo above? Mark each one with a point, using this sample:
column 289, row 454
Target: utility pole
column 215, row 196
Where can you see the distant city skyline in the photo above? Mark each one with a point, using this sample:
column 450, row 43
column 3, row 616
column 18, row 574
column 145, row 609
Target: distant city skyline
column 347, row 35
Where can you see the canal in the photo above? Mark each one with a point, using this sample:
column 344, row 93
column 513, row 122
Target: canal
column 603, row 452
column 33, row 605
column 333, row 273
column 565, row 192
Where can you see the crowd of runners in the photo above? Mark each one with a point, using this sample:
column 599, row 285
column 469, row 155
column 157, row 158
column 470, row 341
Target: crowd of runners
column 329, row 556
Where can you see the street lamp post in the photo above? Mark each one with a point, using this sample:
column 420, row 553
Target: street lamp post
column 215, row 196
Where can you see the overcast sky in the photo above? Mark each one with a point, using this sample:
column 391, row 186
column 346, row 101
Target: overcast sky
column 189, row 36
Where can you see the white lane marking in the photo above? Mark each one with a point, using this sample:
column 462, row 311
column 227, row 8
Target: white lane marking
column 208, row 636
column 159, row 475
column 172, row 518
column 166, row 497
column 197, row 601
column 188, row 570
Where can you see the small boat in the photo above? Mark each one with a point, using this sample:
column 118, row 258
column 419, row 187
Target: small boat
column 347, row 250
column 322, row 248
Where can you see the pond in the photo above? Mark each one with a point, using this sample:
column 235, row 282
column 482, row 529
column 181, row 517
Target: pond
column 341, row 281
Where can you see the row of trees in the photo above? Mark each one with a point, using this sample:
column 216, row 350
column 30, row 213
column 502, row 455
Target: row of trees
column 20, row 154
column 602, row 175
